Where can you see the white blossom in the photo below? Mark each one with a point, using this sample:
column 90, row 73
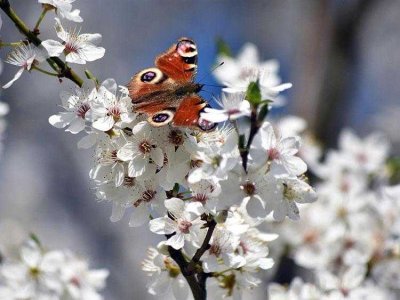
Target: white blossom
column 234, row 106
column 78, row 48
column 64, row 8
column 184, row 222
column 24, row 57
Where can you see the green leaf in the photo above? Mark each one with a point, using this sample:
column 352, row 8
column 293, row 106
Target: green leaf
column 263, row 111
column 393, row 165
column 253, row 93
column 223, row 48
column 35, row 238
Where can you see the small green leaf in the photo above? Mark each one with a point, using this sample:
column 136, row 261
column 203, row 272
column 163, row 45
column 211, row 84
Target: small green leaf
column 393, row 165
column 35, row 238
column 263, row 111
column 176, row 188
column 222, row 48
column 253, row 93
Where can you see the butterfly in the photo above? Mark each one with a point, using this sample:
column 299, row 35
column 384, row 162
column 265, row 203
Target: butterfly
column 167, row 92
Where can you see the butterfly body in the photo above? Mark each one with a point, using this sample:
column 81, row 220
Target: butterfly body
column 167, row 93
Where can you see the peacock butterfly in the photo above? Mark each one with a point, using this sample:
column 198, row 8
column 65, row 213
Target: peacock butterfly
column 167, row 93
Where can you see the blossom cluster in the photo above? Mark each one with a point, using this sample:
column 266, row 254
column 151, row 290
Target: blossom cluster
column 43, row 275
column 207, row 193
column 176, row 180
column 349, row 238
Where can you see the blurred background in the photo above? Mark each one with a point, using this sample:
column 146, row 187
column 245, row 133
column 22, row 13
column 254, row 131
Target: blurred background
column 341, row 56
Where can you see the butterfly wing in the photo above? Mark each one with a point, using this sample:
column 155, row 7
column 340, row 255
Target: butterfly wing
column 188, row 114
column 166, row 92
column 180, row 61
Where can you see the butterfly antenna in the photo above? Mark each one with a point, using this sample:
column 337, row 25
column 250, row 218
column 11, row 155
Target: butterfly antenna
column 212, row 70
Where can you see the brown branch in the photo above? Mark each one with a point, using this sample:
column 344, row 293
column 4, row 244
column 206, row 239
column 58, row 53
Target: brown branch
column 193, row 273
column 55, row 63
column 254, row 127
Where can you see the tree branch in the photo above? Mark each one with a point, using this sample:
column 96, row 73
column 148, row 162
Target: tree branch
column 55, row 63
column 194, row 275
column 254, row 127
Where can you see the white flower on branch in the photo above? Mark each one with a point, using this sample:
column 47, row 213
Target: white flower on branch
column 288, row 192
column 25, row 57
column 214, row 160
column 39, row 274
column 64, row 8
column 220, row 256
column 237, row 73
column 108, row 109
column 77, row 106
column 140, row 149
column 279, row 152
column 183, row 222
column 165, row 275
column 252, row 190
column 233, row 105
column 78, row 48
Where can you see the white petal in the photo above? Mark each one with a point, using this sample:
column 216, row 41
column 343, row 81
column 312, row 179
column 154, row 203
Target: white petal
column 91, row 52
column 120, row 174
column 127, row 152
column 139, row 216
column 76, row 126
column 157, row 156
column 87, row 141
column 215, row 116
column 162, row 225
column 54, row 48
column 137, row 166
column 75, row 58
column 175, row 206
column 110, row 84
column 104, row 124
column 117, row 212
column 16, row 76
column 196, row 208
column 72, row 15
column 94, row 38
column 176, row 241
column 61, row 120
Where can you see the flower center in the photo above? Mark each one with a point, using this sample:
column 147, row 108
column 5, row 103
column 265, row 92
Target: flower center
column 184, row 226
column 244, row 247
column 175, row 137
column 71, row 47
column 115, row 112
column 129, row 181
column 288, row 192
column 202, row 198
column 215, row 249
column 273, row 154
column 195, row 163
column 148, row 195
column 249, row 188
column 145, row 147
column 75, row 281
column 82, row 110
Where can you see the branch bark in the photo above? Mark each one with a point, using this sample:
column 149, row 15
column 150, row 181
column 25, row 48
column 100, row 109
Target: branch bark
column 55, row 63
column 193, row 273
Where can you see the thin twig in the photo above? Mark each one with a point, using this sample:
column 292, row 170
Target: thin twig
column 254, row 127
